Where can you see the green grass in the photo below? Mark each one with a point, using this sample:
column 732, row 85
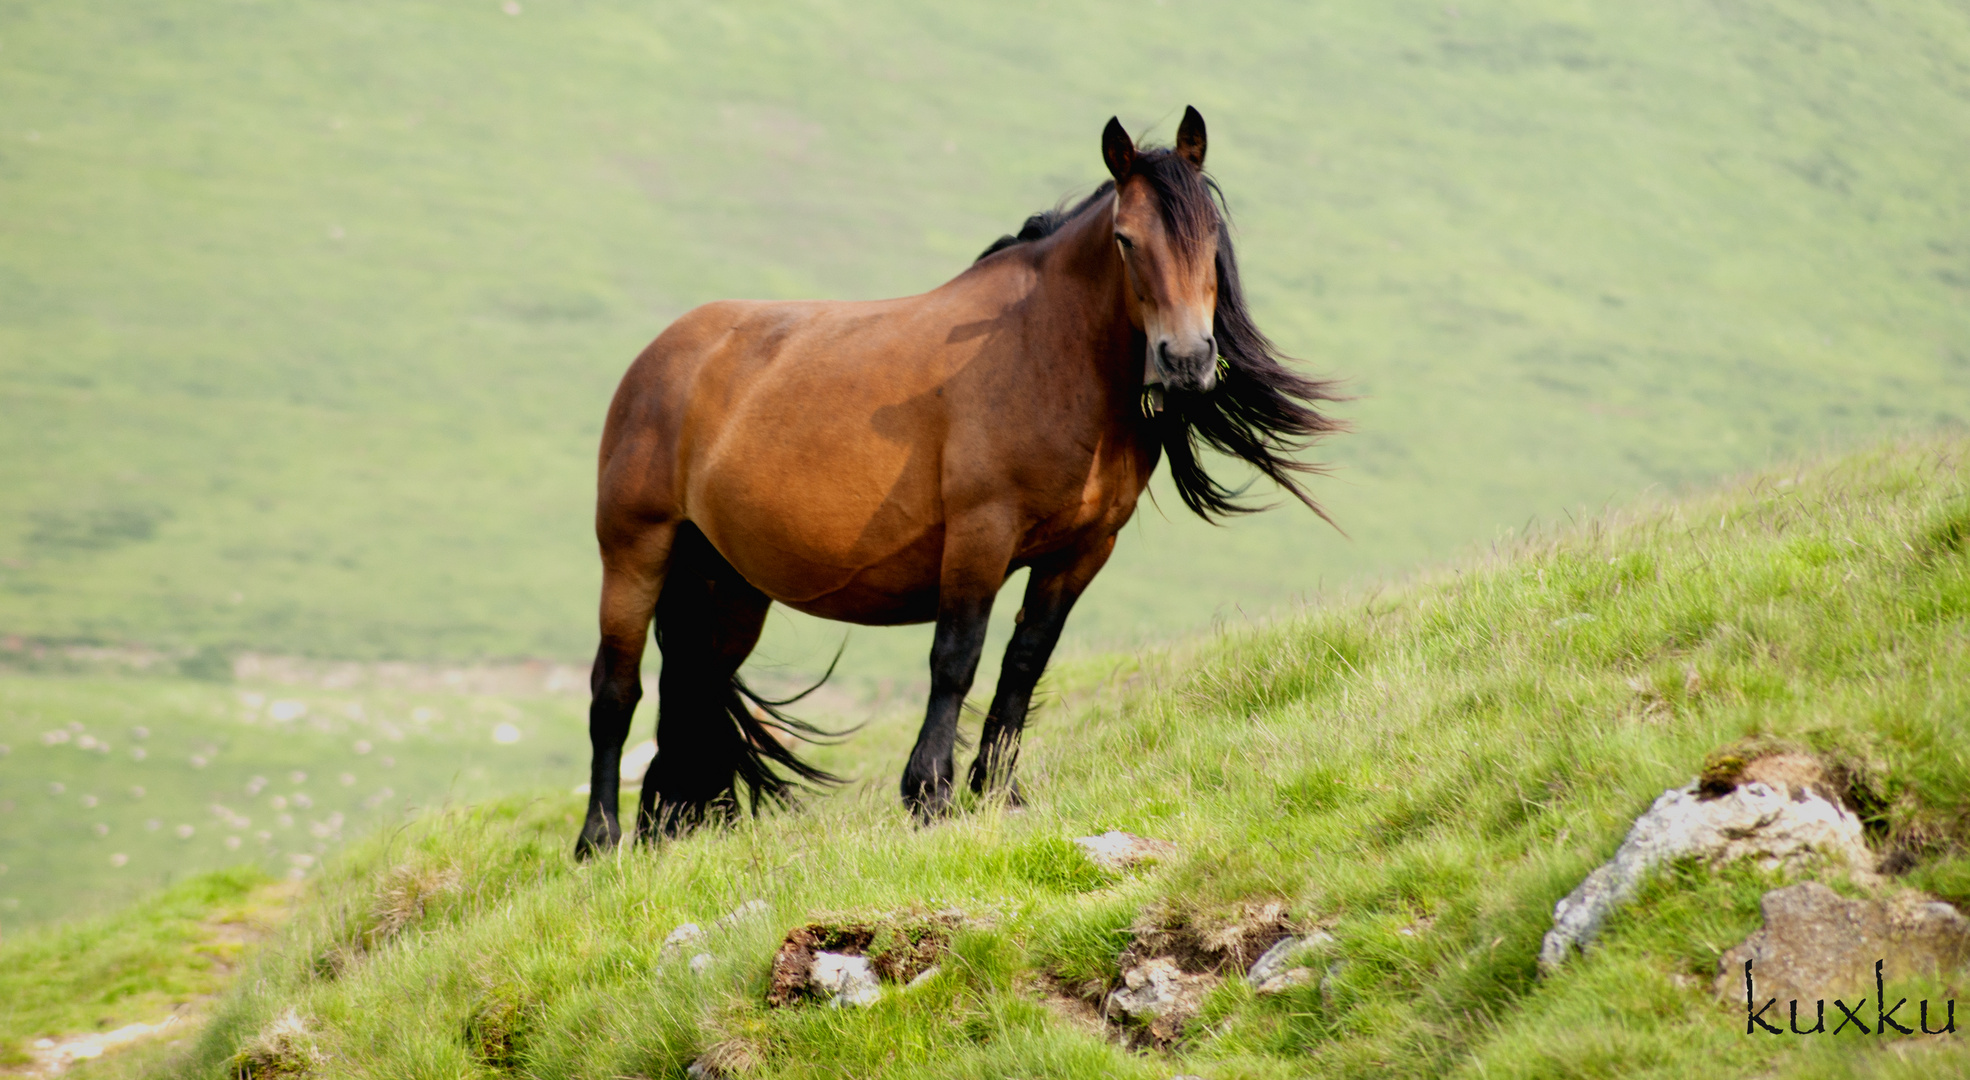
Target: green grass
column 134, row 965
column 1423, row 773
column 309, row 312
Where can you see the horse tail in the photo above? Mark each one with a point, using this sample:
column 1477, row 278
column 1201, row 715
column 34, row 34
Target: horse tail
column 765, row 731
column 714, row 733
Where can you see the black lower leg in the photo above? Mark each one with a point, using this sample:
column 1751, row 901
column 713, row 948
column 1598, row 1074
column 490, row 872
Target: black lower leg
column 1040, row 623
column 953, row 661
column 617, row 686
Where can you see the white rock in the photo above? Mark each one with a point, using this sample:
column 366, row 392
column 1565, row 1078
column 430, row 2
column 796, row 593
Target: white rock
column 701, row 963
column 1117, row 851
column 848, row 980
column 1284, row 965
column 675, row 941
column 923, row 976
column 751, row 909
column 1776, row 826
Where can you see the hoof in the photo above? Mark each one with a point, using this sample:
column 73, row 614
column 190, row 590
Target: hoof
column 668, row 820
column 929, row 807
column 598, row 837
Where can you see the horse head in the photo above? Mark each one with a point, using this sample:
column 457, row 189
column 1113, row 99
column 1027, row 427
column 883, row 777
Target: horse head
column 1167, row 231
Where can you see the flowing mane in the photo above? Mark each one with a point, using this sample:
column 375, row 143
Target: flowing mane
column 1262, row 412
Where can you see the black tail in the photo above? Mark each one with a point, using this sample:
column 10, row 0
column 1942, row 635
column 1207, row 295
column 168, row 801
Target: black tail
column 709, row 741
column 764, row 749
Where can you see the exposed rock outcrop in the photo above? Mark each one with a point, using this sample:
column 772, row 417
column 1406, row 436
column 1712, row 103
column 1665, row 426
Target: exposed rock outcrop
column 1176, row 960
column 1116, row 851
column 1777, row 810
column 1161, row 997
column 1817, row 944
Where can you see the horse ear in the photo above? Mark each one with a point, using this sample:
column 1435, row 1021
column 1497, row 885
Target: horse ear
column 1190, row 137
column 1117, row 149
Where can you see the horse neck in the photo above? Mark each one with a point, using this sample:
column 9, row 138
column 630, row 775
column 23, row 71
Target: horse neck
column 1082, row 283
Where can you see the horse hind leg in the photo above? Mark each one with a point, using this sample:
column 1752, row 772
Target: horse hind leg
column 709, row 742
column 632, row 576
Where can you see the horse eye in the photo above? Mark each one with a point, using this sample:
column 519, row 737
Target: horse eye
column 1124, row 241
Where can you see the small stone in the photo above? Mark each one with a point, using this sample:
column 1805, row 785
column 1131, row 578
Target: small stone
column 682, row 936
column 849, row 980
column 701, row 963
column 1116, row 851
column 923, row 976
column 1284, row 965
column 751, row 909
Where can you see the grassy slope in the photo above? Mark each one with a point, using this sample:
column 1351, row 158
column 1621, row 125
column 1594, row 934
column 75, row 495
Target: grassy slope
column 1445, row 759
column 135, row 965
column 308, row 313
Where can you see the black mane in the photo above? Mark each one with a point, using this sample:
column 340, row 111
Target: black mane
column 1261, row 412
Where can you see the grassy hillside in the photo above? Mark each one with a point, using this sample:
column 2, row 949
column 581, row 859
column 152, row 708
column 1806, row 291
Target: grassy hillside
column 1423, row 774
column 309, row 312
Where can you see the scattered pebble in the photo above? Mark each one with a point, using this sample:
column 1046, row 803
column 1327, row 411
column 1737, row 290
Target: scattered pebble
column 184, row 832
column 506, row 734
column 119, row 859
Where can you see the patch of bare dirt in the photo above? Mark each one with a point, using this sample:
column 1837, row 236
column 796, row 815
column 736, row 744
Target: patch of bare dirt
column 898, row 945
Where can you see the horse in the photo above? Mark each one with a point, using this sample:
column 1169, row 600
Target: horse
column 895, row 461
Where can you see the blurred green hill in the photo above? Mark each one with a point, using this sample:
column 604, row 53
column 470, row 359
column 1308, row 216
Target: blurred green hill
column 309, row 312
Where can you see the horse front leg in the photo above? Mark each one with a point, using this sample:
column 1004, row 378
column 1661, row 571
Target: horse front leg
column 953, row 662
column 976, row 553
column 1050, row 595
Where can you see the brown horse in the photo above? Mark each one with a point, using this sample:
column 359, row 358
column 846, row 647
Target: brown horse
column 894, row 461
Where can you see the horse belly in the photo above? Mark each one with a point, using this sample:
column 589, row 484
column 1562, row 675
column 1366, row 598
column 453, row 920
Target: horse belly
column 820, row 516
